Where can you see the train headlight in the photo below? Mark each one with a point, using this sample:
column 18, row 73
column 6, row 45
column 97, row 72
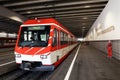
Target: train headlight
column 18, row 55
column 43, row 57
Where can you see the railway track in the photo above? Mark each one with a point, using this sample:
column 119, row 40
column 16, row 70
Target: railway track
column 12, row 72
column 19, row 74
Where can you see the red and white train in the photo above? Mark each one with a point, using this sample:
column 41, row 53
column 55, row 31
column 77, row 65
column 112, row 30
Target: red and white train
column 42, row 44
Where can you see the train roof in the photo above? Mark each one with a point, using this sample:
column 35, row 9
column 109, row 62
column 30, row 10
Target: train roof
column 44, row 21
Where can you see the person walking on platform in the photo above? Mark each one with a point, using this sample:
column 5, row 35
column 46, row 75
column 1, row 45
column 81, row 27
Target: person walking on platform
column 109, row 48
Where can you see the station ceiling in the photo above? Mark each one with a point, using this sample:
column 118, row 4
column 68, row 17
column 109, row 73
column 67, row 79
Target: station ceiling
column 76, row 15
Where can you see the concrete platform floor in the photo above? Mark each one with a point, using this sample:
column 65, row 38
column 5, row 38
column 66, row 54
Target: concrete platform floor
column 91, row 64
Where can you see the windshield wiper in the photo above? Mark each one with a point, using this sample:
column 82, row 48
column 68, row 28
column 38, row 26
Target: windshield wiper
column 33, row 44
column 25, row 45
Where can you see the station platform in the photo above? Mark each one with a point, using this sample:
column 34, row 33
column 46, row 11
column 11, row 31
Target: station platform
column 90, row 64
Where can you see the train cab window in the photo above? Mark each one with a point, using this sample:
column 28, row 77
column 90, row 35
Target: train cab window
column 25, row 35
column 30, row 35
column 44, row 36
column 34, row 36
column 55, row 38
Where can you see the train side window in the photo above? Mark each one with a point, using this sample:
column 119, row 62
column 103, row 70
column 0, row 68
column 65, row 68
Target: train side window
column 71, row 39
column 66, row 38
column 55, row 38
column 63, row 38
column 1, row 42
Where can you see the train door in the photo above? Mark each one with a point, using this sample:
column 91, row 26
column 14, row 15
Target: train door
column 56, row 43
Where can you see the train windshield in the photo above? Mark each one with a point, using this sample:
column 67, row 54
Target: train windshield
column 34, row 36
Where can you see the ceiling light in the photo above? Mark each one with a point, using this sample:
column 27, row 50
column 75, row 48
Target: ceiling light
column 83, row 27
column 87, row 6
column 83, row 23
column 29, row 12
column 84, row 18
column 16, row 18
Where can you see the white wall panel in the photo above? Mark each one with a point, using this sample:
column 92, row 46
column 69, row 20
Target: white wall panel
column 107, row 25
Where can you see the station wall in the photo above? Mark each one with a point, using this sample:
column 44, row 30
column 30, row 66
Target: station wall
column 102, row 46
column 8, row 27
column 107, row 25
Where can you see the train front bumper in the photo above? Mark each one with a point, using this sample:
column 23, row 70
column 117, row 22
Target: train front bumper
column 36, row 66
column 45, row 59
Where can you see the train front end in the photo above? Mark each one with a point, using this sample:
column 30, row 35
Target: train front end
column 33, row 47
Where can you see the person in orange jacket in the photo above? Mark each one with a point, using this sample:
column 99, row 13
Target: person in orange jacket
column 109, row 48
